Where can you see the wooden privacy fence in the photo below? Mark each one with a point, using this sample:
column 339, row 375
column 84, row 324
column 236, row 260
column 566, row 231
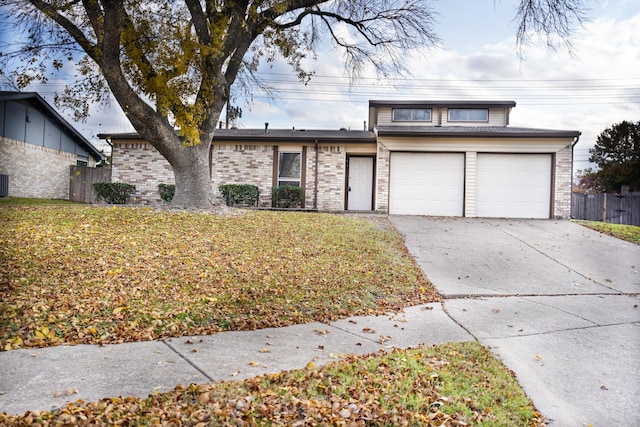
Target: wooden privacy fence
column 80, row 180
column 611, row 208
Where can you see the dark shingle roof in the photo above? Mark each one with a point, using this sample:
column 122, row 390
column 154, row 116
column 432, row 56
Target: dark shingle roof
column 444, row 103
column 279, row 135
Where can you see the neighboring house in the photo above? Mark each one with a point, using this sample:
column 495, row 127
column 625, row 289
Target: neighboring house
column 442, row 158
column 37, row 146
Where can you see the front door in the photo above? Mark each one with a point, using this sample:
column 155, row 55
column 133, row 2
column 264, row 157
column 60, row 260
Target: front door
column 360, row 191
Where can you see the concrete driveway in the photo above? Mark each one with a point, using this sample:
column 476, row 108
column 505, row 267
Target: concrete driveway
column 555, row 301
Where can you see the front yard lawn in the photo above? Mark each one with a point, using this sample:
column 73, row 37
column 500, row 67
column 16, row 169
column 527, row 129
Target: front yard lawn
column 96, row 275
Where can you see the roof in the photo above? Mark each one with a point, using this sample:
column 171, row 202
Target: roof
column 279, row 135
column 443, row 103
column 476, row 132
column 39, row 101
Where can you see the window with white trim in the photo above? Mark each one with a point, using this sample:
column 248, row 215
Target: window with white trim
column 289, row 168
column 468, row 115
column 411, row 114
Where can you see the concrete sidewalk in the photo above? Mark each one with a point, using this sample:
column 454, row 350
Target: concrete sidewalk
column 556, row 302
column 48, row 378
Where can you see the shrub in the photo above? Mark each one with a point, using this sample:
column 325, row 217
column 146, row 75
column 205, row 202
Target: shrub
column 115, row 193
column 167, row 191
column 287, row 196
column 240, row 194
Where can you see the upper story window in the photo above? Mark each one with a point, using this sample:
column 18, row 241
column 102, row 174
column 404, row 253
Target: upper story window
column 468, row 115
column 411, row 114
column 289, row 169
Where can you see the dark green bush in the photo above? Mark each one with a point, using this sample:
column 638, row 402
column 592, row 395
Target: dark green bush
column 287, row 196
column 240, row 194
column 167, row 191
column 115, row 193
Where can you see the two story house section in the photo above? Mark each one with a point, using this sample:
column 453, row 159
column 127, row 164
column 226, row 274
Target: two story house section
column 460, row 158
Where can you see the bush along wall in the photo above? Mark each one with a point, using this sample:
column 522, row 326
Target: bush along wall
column 240, row 194
column 287, row 196
column 115, row 193
column 167, row 191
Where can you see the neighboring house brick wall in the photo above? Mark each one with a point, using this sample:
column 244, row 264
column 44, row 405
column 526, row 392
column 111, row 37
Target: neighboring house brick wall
column 35, row 171
column 243, row 164
column 140, row 164
column 382, row 185
column 562, row 190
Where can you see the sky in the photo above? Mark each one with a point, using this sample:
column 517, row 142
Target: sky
column 592, row 87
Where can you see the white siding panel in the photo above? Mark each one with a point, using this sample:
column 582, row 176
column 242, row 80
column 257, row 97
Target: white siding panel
column 514, row 185
column 471, row 175
column 426, row 184
column 384, row 117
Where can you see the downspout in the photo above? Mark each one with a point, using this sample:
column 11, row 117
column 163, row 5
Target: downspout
column 315, row 189
column 573, row 144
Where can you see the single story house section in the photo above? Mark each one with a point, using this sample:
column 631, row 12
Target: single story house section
column 440, row 158
column 37, row 147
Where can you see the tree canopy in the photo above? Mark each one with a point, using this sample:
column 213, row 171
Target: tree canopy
column 170, row 64
column 617, row 154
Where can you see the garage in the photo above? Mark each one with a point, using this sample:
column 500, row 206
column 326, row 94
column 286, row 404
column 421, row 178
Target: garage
column 426, row 184
column 514, row 185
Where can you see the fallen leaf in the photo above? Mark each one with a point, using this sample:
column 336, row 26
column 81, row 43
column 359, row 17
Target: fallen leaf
column 384, row 338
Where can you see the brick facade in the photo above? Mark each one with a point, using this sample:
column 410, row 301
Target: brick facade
column 382, row 183
column 562, row 187
column 331, row 177
column 140, row 164
column 243, row 164
column 36, row 171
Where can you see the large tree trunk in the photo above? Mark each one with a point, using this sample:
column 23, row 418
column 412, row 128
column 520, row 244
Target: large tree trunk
column 193, row 177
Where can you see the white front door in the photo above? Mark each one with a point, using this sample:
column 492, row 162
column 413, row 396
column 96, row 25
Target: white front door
column 360, row 196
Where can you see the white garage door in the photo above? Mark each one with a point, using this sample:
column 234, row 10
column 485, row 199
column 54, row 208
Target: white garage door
column 514, row 185
column 426, row 184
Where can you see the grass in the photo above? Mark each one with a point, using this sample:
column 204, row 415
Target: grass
column 21, row 201
column 630, row 233
column 95, row 275
column 450, row 384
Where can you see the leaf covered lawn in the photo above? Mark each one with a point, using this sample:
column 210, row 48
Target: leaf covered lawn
column 96, row 275
column 456, row 384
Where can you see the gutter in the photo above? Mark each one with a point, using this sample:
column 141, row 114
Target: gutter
column 573, row 144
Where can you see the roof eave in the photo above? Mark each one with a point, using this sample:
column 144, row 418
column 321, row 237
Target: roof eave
column 442, row 103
